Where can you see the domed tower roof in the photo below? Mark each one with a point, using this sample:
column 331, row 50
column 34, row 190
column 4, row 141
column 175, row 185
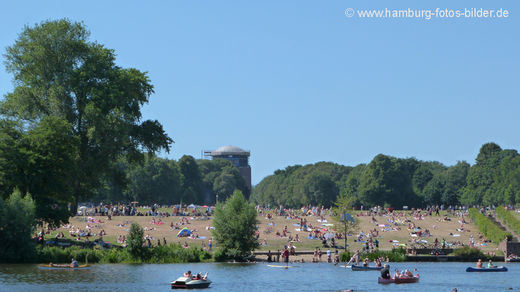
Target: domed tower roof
column 229, row 150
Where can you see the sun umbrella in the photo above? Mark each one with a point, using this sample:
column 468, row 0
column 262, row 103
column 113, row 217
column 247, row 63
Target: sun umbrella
column 329, row 235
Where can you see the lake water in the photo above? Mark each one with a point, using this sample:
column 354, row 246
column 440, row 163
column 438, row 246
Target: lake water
column 252, row 277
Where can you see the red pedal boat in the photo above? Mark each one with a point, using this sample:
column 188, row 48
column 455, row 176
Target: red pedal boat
column 399, row 280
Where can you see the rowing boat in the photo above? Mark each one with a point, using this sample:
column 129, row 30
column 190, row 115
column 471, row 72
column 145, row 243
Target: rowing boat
column 279, row 266
column 363, row 268
column 53, row 266
column 495, row 269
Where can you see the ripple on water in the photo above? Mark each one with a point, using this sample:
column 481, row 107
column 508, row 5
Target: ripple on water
column 252, row 277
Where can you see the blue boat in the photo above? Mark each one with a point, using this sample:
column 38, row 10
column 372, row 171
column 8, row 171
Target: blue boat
column 362, row 268
column 495, row 269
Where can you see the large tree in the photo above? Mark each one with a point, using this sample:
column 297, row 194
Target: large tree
column 59, row 72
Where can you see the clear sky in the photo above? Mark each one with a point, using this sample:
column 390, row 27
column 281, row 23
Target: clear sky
column 298, row 82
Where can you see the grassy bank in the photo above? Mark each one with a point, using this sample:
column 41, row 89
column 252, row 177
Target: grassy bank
column 488, row 227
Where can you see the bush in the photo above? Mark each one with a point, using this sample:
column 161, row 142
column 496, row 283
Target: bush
column 17, row 221
column 468, row 252
column 173, row 253
column 136, row 241
column 235, row 227
column 394, row 255
column 488, row 227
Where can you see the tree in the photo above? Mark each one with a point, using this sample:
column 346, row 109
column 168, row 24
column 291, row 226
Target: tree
column 156, row 181
column 191, row 181
column 342, row 215
column 136, row 241
column 319, row 189
column 59, row 73
column 386, row 180
column 17, row 224
column 298, row 185
column 40, row 161
column 435, row 189
column 235, row 226
column 220, row 178
column 456, row 177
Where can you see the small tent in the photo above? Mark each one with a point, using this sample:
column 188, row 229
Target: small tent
column 184, row 232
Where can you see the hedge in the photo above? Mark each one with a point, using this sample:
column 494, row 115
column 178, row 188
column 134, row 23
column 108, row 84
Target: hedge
column 490, row 230
column 509, row 219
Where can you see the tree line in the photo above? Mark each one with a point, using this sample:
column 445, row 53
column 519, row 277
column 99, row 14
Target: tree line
column 494, row 179
column 164, row 181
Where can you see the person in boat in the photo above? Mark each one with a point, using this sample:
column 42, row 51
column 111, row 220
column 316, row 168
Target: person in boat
column 188, row 275
column 74, row 264
column 397, row 274
column 479, row 263
column 205, row 277
column 385, row 272
column 490, row 265
column 408, row 273
column 365, row 262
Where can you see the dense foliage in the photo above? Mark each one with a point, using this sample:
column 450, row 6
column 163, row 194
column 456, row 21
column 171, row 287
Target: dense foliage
column 495, row 177
column 316, row 184
column 136, row 241
column 394, row 255
column 235, row 226
column 73, row 112
column 509, row 219
column 172, row 253
column 488, row 227
column 164, row 181
column 469, row 253
column 397, row 182
column 16, row 226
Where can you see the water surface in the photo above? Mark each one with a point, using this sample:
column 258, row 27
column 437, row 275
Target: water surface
column 252, row 277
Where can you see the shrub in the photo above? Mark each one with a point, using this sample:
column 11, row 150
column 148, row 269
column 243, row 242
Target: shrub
column 394, row 255
column 17, row 220
column 175, row 253
column 345, row 256
column 136, row 241
column 235, row 227
column 468, row 252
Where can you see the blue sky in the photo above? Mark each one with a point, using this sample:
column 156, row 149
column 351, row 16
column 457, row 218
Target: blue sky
column 298, row 82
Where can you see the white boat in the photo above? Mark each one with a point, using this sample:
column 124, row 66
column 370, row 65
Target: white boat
column 193, row 283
